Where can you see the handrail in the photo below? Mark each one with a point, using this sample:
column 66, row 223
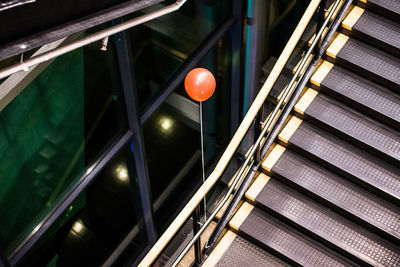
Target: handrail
column 25, row 65
column 14, row 3
column 236, row 140
column 269, row 123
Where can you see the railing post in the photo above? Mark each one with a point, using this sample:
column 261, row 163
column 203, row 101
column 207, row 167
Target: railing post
column 196, row 228
column 320, row 21
column 257, row 132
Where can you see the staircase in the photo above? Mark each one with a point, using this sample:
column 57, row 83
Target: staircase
column 328, row 193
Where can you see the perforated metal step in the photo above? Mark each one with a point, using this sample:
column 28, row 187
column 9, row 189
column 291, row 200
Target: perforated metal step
column 339, row 194
column 348, row 160
column 360, row 93
column 366, row 60
column 376, row 30
column 354, row 126
column 233, row 250
column 270, row 233
column 387, row 8
column 327, row 226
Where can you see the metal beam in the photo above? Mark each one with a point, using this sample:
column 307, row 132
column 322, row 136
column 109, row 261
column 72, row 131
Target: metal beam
column 22, row 66
column 142, row 184
column 235, row 66
column 4, row 5
column 75, row 26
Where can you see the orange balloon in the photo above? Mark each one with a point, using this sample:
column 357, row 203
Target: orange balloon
column 200, row 84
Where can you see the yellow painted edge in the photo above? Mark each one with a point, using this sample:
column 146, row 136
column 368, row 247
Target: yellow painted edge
column 273, row 121
column 289, row 129
column 273, row 157
column 336, row 11
column 257, row 186
column 281, row 94
column 313, row 37
column 305, row 101
column 189, row 257
column 352, row 18
column 337, row 45
column 220, row 249
column 310, row 57
column 321, row 73
column 241, row 215
column 363, row 1
column 222, row 210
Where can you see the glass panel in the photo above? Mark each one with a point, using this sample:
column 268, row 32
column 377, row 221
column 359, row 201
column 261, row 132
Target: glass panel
column 51, row 131
column 104, row 216
column 162, row 45
column 172, row 139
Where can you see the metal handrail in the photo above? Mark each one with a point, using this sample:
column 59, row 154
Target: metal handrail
column 236, row 140
column 270, row 123
column 25, row 65
column 4, row 5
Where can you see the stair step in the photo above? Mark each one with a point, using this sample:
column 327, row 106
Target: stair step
column 387, row 8
column 358, row 92
column 366, row 60
column 336, row 192
column 233, row 250
column 271, row 234
column 373, row 29
column 268, row 66
column 357, row 128
column 328, row 227
column 343, row 158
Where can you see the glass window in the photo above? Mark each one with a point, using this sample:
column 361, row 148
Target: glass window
column 51, row 131
column 172, row 139
column 160, row 46
column 104, row 216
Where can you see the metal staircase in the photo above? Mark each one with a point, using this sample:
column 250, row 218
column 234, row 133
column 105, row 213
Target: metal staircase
column 329, row 189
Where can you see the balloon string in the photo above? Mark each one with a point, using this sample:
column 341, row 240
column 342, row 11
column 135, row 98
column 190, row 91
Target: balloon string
column 202, row 160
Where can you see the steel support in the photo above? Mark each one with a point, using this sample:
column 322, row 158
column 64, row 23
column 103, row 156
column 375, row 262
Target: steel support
column 235, row 66
column 124, row 58
column 56, row 33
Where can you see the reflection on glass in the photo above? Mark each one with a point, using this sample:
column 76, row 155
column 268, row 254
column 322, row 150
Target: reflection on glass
column 121, row 173
column 49, row 133
column 173, row 156
column 160, row 46
column 107, row 215
column 166, row 124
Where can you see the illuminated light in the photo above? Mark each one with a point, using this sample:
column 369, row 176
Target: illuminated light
column 122, row 173
column 78, row 227
column 166, row 124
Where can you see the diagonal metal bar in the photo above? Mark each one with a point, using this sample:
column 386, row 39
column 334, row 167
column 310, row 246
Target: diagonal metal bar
column 90, row 39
